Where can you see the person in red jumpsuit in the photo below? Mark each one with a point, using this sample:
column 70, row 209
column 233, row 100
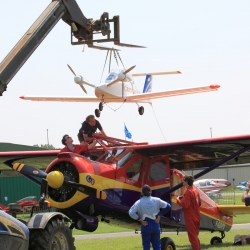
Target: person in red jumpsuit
column 191, row 203
column 75, row 148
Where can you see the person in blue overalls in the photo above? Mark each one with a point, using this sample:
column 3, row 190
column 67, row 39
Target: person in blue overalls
column 147, row 210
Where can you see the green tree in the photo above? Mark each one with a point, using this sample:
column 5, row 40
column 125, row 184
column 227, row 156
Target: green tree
column 47, row 146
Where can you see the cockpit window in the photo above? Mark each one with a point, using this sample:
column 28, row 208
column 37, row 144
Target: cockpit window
column 115, row 156
column 111, row 154
column 111, row 77
column 133, row 171
column 157, row 171
column 125, row 159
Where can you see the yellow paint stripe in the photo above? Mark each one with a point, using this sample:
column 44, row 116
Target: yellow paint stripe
column 18, row 166
column 101, row 183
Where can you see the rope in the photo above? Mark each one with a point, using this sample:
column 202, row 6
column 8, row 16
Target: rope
column 114, row 108
column 116, row 58
column 158, row 124
column 118, row 54
column 110, row 58
column 104, row 65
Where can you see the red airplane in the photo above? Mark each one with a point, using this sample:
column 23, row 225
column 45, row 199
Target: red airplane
column 88, row 190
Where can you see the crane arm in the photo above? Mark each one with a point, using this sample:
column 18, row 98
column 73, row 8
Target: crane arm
column 82, row 29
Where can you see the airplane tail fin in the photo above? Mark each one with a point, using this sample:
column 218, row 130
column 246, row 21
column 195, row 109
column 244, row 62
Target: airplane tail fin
column 148, row 84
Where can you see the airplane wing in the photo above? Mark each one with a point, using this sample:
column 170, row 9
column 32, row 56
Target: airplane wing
column 77, row 99
column 60, row 99
column 199, row 154
column 39, row 159
column 143, row 97
column 154, row 95
column 234, row 209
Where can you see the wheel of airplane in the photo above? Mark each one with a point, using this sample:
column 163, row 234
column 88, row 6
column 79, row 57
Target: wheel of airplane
column 100, row 106
column 141, row 110
column 97, row 113
column 167, row 244
column 215, row 240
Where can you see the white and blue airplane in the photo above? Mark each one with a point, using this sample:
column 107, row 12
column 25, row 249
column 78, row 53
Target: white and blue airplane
column 119, row 86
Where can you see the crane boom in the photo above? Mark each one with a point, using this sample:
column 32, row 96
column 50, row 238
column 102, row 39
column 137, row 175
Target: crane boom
column 82, row 29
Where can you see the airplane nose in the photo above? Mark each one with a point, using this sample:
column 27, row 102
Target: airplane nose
column 78, row 79
column 55, row 179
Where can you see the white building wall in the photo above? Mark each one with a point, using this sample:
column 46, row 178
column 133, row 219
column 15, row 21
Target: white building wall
column 233, row 173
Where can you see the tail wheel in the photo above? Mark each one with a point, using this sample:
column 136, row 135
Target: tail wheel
column 215, row 240
column 141, row 110
column 97, row 113
column 167, row 244
column 55, row 236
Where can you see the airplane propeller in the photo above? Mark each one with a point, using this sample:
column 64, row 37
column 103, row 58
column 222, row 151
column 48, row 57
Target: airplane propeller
column 78, row 79
column 56, row 179
column 71, row 70
column 122, row 75
column 129, row 69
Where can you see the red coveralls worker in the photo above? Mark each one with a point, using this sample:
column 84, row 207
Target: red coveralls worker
column 191, row 207
column 67, row 141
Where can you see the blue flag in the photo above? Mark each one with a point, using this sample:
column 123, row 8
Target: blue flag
column 127, row 133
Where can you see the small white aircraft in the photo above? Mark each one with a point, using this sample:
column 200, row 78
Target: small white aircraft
column 212, row 185
column 119, row 86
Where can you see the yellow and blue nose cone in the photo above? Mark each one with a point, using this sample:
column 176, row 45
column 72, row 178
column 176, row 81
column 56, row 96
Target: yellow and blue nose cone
column 55, row 179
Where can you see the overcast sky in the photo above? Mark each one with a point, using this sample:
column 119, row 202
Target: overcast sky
column 208, row 41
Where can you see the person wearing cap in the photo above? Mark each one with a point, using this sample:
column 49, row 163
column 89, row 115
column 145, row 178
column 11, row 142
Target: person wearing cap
column 67, row 141
column 245, row 195
column 88, row 129
column 147, row 210
column 191, row 202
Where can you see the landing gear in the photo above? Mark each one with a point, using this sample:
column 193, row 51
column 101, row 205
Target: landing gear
column 97, row 113
column 167, row 244
column 217, row 240
column 100, row 106
column 141, row 110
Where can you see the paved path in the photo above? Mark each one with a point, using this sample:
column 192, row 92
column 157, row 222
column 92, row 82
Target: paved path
column 241, row 226
column 129, row 234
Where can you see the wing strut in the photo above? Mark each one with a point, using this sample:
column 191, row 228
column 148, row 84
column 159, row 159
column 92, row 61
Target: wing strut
column 209, row 169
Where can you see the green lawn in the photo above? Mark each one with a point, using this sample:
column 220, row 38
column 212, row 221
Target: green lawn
column 181, row 241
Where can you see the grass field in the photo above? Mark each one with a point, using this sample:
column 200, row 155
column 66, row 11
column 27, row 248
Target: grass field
column 181, row 242
column 134, row 242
